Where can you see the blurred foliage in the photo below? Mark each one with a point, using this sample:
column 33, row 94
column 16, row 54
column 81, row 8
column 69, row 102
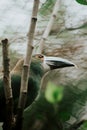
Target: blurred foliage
column 53, row 93
column 47, row 7
column 83, row 2
column 84, row 126
column 66, row 106
column 73, row 106
column 14, row 57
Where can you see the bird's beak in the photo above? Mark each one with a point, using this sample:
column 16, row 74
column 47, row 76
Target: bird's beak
column 56, row 62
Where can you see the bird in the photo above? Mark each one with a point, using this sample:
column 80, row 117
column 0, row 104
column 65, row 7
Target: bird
column 40, row 64
column 41, row 115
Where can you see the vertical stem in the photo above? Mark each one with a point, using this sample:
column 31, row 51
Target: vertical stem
column 49, row 26
column 26, row 67
column 7, row 86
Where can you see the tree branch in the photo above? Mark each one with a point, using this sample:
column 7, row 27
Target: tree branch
column 7, row 87
column 26, row 67
column 49, row 26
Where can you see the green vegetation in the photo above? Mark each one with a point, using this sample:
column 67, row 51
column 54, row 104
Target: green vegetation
column 83, row 2
column 53, row 93
column 84, row 126
column 47, row 7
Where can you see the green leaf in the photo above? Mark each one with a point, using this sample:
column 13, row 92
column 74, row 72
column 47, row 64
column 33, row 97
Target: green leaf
column 74, row 103
column 83, row 126
column 64, row 116
column 53, row 93
column 83, row 2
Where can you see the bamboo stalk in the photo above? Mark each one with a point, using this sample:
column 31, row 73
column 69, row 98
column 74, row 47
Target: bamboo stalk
column 26, row 66
column 49, row 26
column 7, row 87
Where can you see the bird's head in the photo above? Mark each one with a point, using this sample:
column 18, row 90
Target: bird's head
column 50, row 63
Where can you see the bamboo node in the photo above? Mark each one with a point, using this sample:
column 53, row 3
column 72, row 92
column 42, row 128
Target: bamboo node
column 34, row 17
column 5, row 41
column 54, row 15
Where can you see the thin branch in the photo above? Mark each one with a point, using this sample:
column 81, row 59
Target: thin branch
column 49, row 26
column 7, row 87
column 26, row 67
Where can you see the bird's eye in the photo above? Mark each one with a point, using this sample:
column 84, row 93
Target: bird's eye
column 39, row 57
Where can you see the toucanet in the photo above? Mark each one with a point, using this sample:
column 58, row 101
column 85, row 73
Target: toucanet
column 40, row 64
